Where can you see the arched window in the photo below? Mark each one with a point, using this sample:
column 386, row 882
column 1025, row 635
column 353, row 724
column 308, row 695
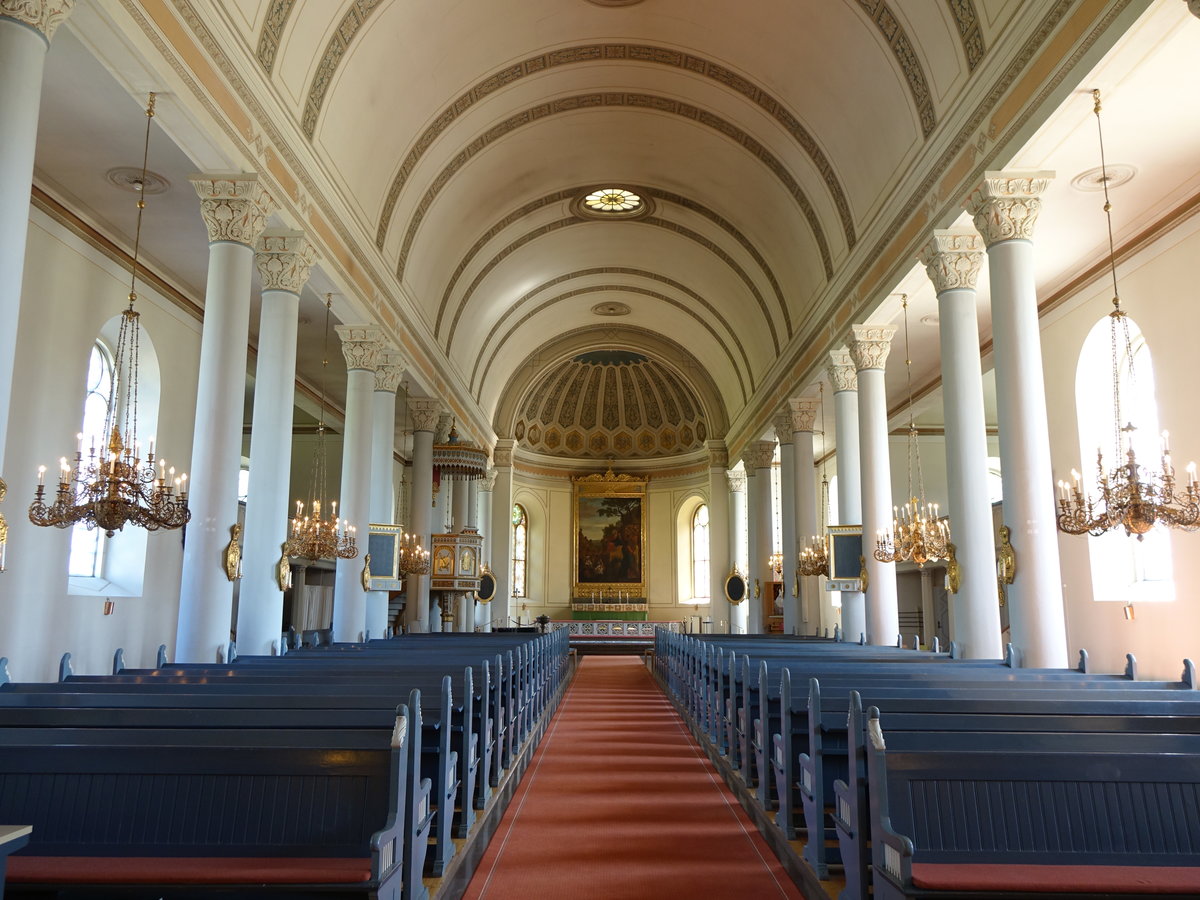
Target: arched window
column 701, row 580
column 87, row 546
column 520, row 550
column 1123, row 568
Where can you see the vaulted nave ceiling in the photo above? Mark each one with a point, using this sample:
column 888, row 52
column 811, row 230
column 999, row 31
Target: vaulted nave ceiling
column 791, row 155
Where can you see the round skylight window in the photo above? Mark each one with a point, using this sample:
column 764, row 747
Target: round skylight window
column 612, row 200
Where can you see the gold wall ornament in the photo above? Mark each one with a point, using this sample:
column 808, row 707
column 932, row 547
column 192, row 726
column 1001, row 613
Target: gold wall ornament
column 735, row 587
column 1001, row 592
column 796, row 585
column 365, row 575
column 233, row 554
column 283, row 569
column 953, row 570
column 757, row 588
column 862, row 574
column 1006, row 557
column 3, row 526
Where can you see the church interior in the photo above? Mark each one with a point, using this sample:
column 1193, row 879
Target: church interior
column 856, row 318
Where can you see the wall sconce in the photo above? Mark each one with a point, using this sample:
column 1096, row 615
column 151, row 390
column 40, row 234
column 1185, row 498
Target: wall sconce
column 1129, row 612
column 109, row 606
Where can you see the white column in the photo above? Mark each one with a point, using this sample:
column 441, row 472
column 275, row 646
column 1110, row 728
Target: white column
column 502, row 505
column 382, row 504
column 844, row 378
column 802, row 415
column 235, row 210
column 953, row 259
column 1006, row 206
column 738, row 541
column 26, row 29
column 424, row 415
column 283, row 259
column 793, row 613
column 483, row 611
column 360, row 347
column 869, row 346
column 757, row 458
column 464, row 618
column 719, row 558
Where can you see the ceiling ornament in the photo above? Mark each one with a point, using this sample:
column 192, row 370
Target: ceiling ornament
column 906, row 56
column 352, row 22
column 612, row 308
column 130, row 178
column 272, row 32
column 1132, row 496
column 1111, row 176
column 612, row 203
column 116, row 485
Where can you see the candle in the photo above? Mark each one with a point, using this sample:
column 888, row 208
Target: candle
column 41, row 476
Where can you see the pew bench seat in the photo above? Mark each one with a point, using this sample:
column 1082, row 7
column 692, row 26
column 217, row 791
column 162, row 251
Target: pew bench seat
column 1056, row 879
column 189, row 870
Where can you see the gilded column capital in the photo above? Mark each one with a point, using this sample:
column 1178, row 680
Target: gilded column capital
column 803, row 413
column 234, row 207
column 952, row 258
column 869, row 345
column 44, row 16
column 502, row 453
column 360, row 345
column 389, row 369
column 424, row 412
column 758, row 455
column 718, row 454
column 783, row 427
column 1005, row 205
column 737, row 480
column 284, row 259
column 841, row 371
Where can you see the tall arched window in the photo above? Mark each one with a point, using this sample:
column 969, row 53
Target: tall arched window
column 87, row 546
column 1123, row 568
column 520, row 550
column 701, row 580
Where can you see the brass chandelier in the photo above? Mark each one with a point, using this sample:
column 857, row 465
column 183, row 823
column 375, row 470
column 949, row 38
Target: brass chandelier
column 319, row 534
column 1132, row 496
column 115, row 484
column 918, row 533
column 813, row 558
column 413, row 558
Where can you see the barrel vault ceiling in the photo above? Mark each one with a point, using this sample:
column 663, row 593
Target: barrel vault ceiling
column 792, row 156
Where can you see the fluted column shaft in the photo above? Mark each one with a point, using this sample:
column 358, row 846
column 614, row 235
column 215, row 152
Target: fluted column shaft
column 360, row 347
column 1005, row 207
column 719, row 559
column 283, row 259
column 235, row 210
column 382, row 487
column 844, row 378
column 738, row 543
column 802, row 414
column 502, row 506
column 757, row 459
column 953, row 259
column 793, row 614
column 424, row 415
column 868, row 346
column 25, row 33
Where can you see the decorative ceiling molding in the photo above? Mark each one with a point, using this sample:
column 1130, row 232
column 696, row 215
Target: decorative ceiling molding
column 624, row 288
column 967, row 19
column 272, row 32
column 610, row 100
column 652, row 221
column 640, row 53
column 893, row 33
column 352, row 22
column 569, row 194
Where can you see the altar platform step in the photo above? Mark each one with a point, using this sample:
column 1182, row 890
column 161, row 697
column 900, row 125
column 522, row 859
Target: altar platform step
column 609, row 645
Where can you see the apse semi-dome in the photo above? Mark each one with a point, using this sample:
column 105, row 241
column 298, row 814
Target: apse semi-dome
column 611, row 403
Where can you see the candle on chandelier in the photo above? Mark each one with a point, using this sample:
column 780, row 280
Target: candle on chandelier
column 41, row 476
column 79, row 442
column 1166, row 439
column 1191, row 473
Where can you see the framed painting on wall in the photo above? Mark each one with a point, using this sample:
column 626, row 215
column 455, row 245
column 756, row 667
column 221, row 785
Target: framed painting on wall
column 609, row 545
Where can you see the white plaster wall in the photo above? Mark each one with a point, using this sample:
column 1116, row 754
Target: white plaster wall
column 70, row 291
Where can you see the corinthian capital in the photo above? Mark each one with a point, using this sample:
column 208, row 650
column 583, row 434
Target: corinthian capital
column 869, row 345
column 234, row 207
column 841, row 371
column 424, row 412
column 360, row 345
column 43, row 16
column 489, row 479
column 737, row 481
column 1006, row 204
column 758, row 455
column 783, row 427
column 953, row 257
column 803, row 413
column 284, row 259
column 389, row 369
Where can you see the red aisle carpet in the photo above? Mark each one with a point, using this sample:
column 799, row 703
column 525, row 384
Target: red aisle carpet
column 620, row 803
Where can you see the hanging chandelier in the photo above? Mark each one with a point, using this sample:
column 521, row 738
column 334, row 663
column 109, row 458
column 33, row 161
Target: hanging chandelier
column 1132, row 496
column 813, row 559
column 413, row 558
column 115, row 484
column 918, row 533
column 319, row 534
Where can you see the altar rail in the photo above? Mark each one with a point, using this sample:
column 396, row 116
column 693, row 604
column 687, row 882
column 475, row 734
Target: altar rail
column 615, row 629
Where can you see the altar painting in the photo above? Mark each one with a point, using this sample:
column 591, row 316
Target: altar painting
column 609, row 538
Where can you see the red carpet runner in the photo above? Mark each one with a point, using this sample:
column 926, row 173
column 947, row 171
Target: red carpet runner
column 619, row 803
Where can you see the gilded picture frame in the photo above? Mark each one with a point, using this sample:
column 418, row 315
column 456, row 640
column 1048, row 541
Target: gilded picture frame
column 609, row 528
